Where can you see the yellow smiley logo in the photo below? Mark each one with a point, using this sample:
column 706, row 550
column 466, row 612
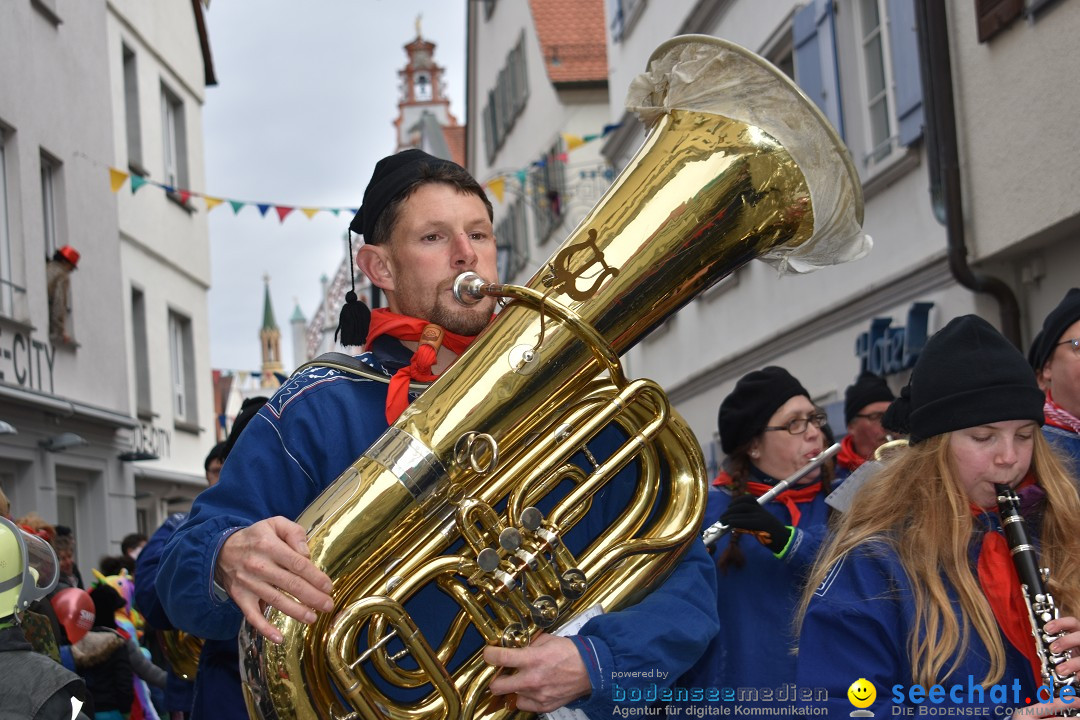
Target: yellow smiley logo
column 862, row 693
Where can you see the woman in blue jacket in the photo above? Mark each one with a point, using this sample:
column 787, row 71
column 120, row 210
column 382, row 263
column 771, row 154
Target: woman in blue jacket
column 914, row 606
column 769, row 429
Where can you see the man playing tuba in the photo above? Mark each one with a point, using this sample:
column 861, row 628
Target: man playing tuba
column 424, row 221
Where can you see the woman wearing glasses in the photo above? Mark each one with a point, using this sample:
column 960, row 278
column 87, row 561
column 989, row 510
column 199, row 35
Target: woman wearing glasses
column 916, row 594
column 769, row 429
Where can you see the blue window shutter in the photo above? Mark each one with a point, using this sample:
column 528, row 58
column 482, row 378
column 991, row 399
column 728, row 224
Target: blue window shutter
column 907, row 74
column 816, row 70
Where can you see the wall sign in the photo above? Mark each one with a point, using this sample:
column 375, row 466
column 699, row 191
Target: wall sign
column 886, row 350
column 26, row 362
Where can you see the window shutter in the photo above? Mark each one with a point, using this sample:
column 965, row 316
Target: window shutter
column 993, row 16
column 907, row 73
column 816, row 71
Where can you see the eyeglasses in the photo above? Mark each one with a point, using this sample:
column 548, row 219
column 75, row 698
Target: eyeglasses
column 872, row 417
column 798, row 425
column 1075, row 342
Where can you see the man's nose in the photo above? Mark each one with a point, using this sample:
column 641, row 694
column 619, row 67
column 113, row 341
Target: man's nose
column 464, row 254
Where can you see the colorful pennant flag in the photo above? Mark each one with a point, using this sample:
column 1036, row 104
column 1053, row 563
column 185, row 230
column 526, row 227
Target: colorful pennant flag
column 211, row 202
column 310, row 212
column 283, row 211
column 498, row 186
column 117, row 178
column 137, row 181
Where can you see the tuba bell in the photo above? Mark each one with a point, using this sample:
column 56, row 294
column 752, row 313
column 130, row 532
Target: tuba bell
column 474, row 489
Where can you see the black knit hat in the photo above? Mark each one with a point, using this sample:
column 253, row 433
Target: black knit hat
column 392, row 175
column 757, row 395
column 967, row 375
column 1054, row 326
column 868, row 388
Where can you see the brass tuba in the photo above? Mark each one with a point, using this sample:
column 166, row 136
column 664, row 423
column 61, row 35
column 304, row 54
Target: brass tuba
column 182, row 650
column 451, row 495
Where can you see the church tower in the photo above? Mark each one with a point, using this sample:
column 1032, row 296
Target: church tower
column 424, row 119
column 270, row 338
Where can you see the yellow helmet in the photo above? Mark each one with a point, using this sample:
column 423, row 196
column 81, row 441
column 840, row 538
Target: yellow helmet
column 28, row 569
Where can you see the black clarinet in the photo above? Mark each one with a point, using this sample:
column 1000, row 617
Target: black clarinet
column 1040, row 603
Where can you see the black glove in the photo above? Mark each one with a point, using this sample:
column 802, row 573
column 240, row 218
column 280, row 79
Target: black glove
column 744, row 515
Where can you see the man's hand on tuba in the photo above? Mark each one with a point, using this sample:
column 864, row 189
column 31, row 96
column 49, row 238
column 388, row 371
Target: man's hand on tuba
column 549, row 673
column 268, row 564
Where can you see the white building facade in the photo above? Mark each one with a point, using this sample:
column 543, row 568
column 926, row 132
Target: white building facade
column 862, row 63
column 84, row 408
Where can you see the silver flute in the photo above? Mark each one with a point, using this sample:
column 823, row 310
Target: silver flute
column 718, row 529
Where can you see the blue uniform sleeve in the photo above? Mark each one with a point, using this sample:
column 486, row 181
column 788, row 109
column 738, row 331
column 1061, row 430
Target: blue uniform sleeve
column 146, row 572
column 654, row 641
column 855, row 629
column 805, row 542
column 264, row 476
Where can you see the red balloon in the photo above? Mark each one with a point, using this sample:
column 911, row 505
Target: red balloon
column 75, row 610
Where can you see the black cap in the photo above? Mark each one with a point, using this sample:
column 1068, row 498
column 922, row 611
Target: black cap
column 1054, row 326
column 967, row 375
column 392, row 175
column 248, row 410
column 757, row 395
column 868, row 388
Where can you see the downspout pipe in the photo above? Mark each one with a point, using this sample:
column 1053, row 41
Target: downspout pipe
column 941, row 146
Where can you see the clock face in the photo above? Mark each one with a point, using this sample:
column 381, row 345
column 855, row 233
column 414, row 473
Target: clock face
column 422, row 87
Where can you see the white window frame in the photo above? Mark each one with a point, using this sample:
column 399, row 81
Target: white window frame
column 879, row 151
column 143, row 404
column 174, row 139
column 133, row 127
column 50, row 190
column 182, row 359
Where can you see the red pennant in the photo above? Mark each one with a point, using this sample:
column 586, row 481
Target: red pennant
column 184, row 196
column 283, row 211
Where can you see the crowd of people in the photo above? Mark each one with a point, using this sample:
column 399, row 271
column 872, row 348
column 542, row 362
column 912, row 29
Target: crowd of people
column 905, row 595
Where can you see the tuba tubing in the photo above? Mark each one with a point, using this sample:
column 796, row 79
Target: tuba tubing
column 467, row 464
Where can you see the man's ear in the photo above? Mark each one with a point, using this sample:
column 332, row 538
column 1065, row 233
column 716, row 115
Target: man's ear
column 374, row 261
column 1044, row 375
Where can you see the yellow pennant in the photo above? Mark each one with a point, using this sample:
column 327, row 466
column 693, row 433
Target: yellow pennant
column 117, row 178
column 310, row 212
column 573, row 141
column 498, row 186
column 212, row 202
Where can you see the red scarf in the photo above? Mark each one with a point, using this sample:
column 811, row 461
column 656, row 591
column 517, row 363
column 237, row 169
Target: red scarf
column 1058, row 416
column 790, row 498
column 847, row 457
column 1001, row 586
column 431, row 338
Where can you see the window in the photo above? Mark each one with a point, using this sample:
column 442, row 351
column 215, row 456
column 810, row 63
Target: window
column 622, row 14
column 182, row 355
column 142, row 354
column 131, row 112
column 879, row 105
column 48, row 9
column 174, row 137
column 506, row 100
column 549, row 190
column 879, row 112
column 512, row 242
column 7, row 275
column 50, row 200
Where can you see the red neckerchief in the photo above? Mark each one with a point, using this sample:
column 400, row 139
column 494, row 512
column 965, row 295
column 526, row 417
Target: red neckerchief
column 431, row 338
column 1058, row 416
column 790, row 498
column 847, row 458
column 1001, row 586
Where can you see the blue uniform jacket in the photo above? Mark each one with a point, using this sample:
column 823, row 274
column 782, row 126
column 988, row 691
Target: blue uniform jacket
column 756, row 604
column 316, row 425
column 178, row 691
column 1067, row 445
column 857, row 626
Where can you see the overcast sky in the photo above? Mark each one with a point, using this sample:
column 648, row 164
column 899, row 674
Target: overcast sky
column 302, row 111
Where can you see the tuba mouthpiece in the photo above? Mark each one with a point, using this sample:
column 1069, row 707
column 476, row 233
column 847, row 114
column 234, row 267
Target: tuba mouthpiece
column 467, row 288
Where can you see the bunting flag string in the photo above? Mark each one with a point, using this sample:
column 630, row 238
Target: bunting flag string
column 497, row 185
column 117, row 178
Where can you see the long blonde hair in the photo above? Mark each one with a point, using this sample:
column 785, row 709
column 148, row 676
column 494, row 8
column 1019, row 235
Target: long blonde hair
column 916, row 506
